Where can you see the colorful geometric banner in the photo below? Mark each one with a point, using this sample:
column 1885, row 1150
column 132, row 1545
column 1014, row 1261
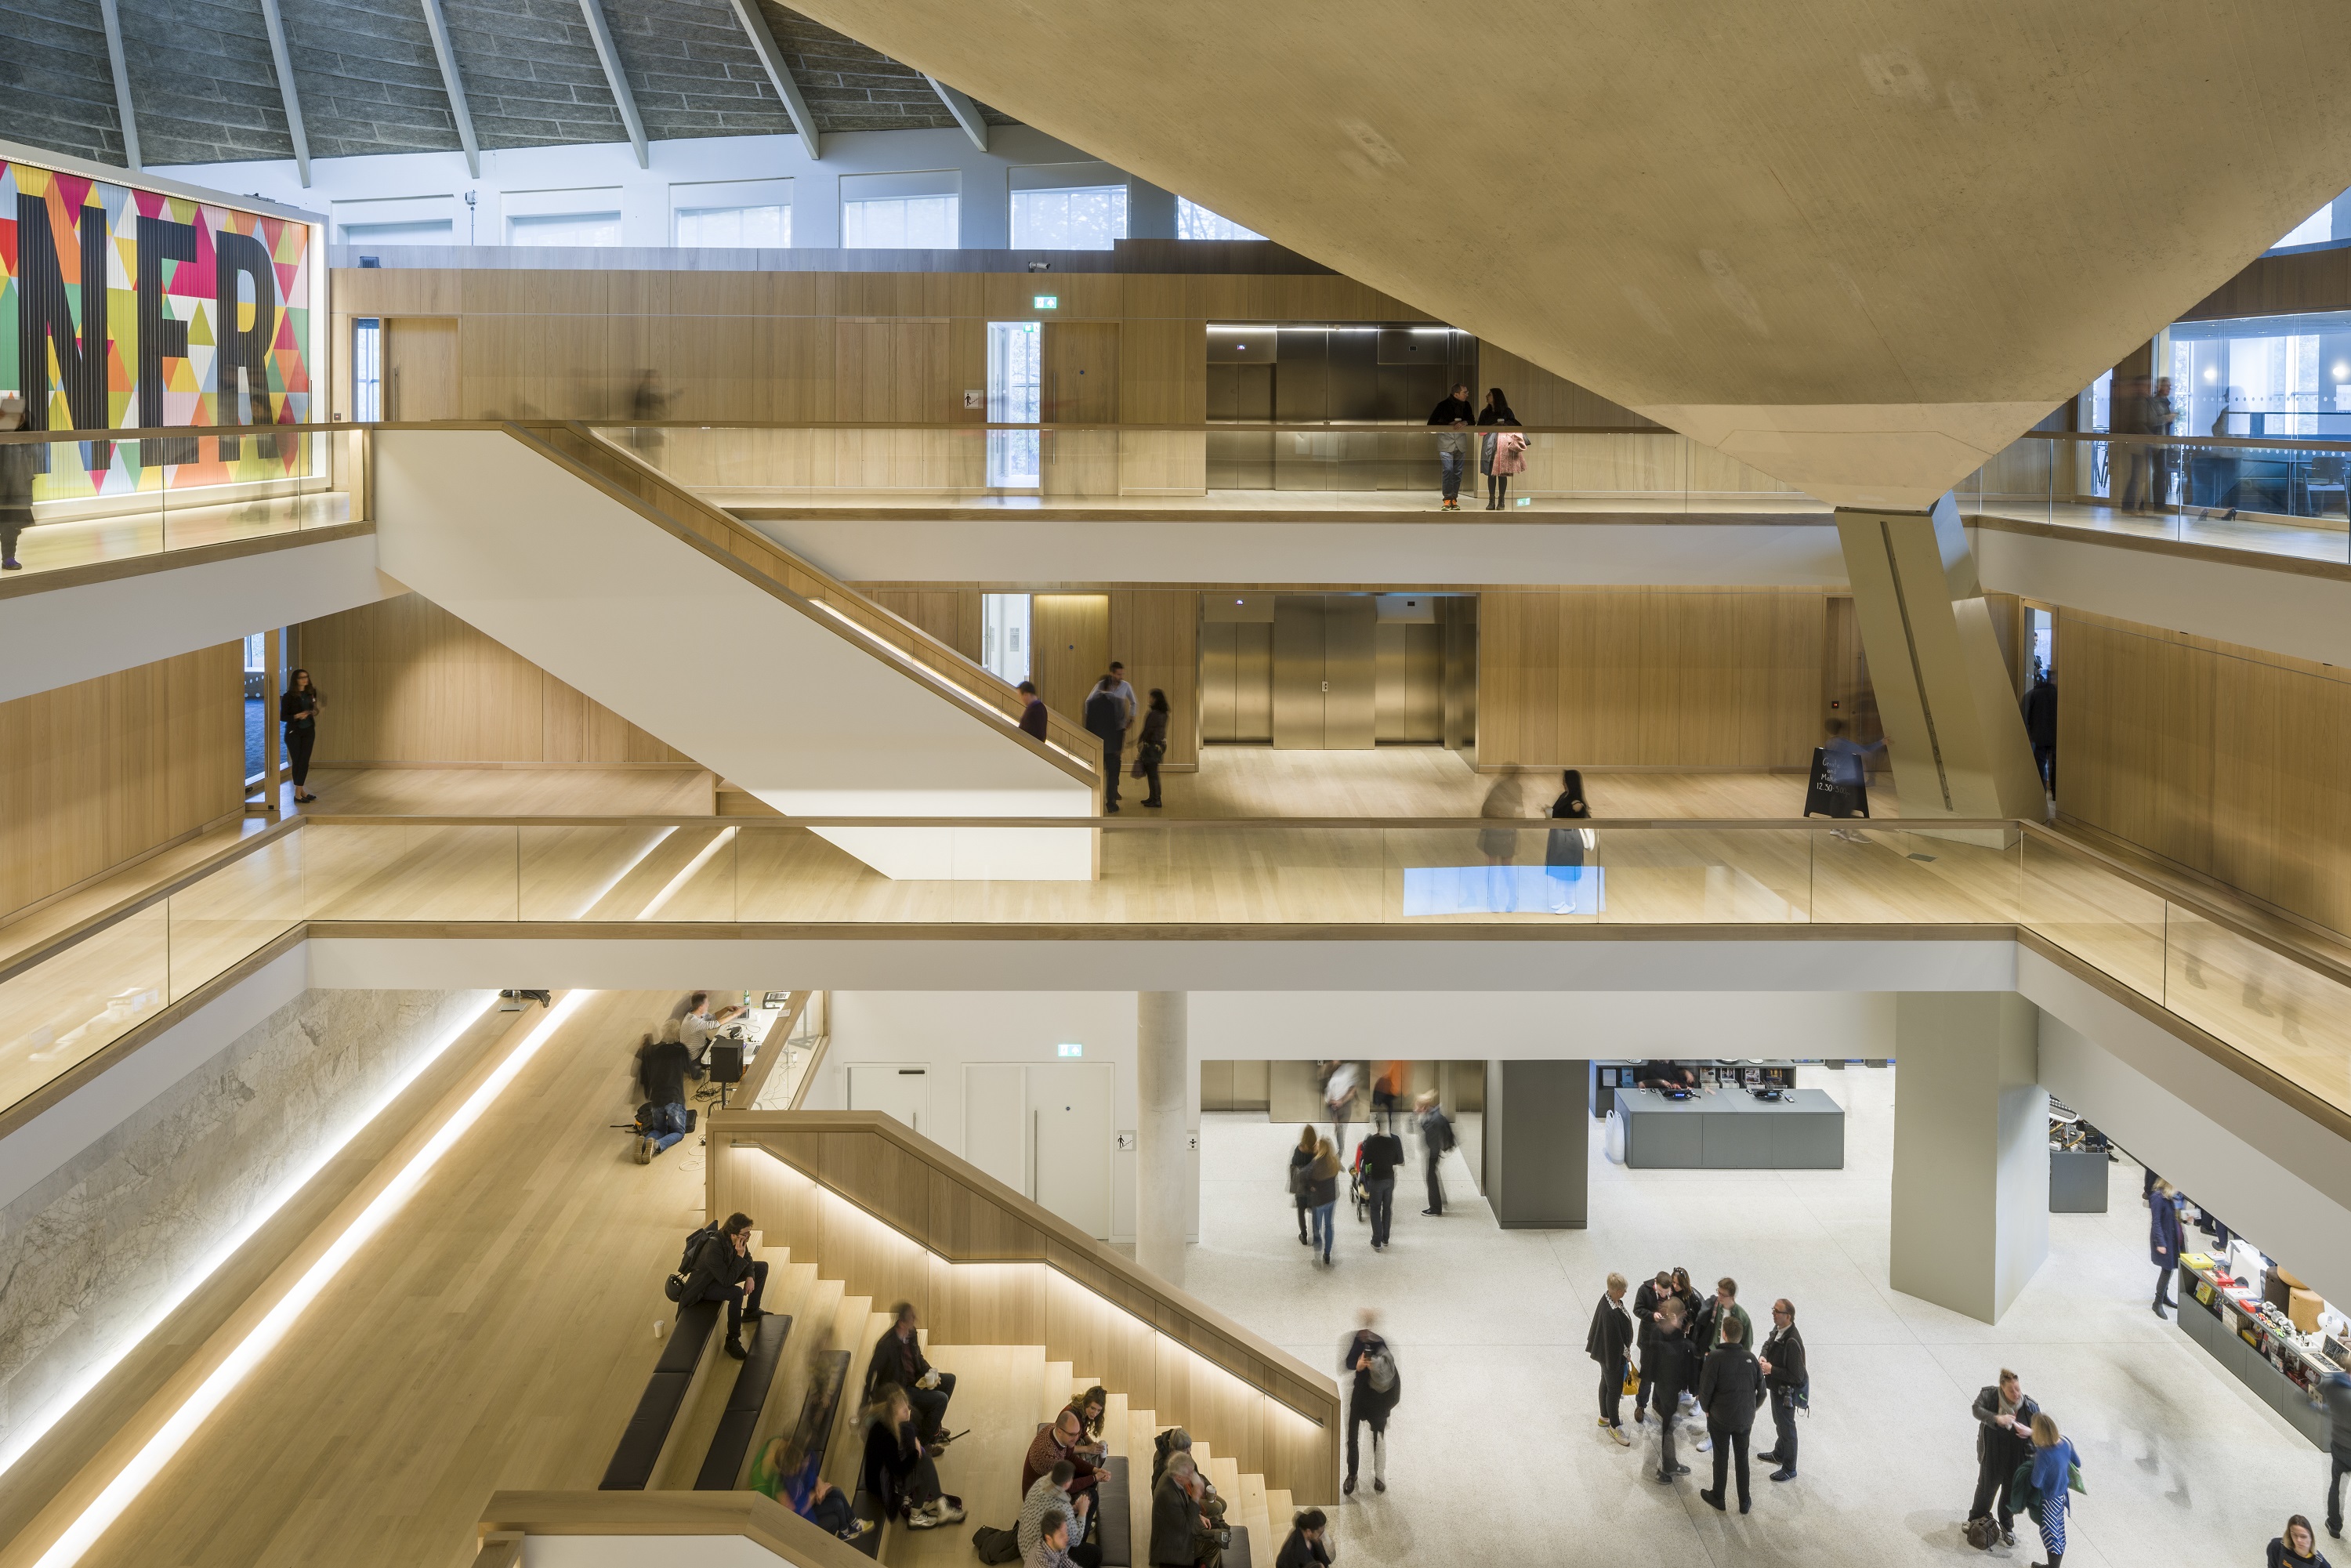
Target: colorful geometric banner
column 122, row 307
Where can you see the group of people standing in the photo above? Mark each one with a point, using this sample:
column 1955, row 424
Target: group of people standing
column 1501, row 452
column 1109, row 713
column 1699, row 1357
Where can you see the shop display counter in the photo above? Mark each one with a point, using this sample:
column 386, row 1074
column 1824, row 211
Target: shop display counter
column 1728, row 1129
column 2268, row 1356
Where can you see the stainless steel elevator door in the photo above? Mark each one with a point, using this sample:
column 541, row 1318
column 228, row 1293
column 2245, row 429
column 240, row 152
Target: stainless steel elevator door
column 1324, row 671
column 1411, row 684
column 1236, row 683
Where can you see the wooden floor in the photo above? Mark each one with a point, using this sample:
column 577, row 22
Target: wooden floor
column 497, row 1334
column 2304, row 538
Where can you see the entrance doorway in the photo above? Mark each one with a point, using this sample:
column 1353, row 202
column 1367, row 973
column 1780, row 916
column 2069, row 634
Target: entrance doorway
column 1044, row 1130
column 419, row 368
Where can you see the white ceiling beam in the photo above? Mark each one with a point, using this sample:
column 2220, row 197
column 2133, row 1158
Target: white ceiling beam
column 451, row 83
column 763, row 41
column 284, row 59
column 113, row 19
column 967, row 113
column 617, row 78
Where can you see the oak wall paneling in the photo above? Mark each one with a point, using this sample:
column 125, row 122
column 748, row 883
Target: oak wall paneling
column 102, row 773
column 407, row 682
column 2230, row 761
column 1070, row 648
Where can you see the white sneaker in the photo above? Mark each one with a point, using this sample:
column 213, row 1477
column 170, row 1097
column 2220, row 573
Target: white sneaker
column 1622, row 1440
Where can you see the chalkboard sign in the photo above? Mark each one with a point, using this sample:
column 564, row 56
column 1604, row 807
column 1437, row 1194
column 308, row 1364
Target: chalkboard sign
column 1825, row 798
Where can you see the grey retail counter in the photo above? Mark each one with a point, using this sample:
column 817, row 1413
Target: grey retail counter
column 1731, row 1130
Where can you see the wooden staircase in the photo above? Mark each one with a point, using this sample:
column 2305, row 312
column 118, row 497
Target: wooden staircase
column 1002, row 1392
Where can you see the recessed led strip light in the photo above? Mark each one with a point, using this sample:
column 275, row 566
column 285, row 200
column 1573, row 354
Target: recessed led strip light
column 34, row 1430
column 110, row 1503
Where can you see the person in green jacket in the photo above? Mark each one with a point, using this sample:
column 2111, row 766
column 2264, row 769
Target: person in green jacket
column 1722, row 1309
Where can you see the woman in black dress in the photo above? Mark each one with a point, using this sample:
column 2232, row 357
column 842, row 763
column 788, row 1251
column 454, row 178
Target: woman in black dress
column 898, row 1468
column 1564, row 848
column 298, row 710
column 1151, row 745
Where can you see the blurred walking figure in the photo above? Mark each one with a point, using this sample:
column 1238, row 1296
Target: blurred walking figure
column 19, row 462
column 1500, row 845
column 1322, row 1193
column 648, row 402
column 2164, row 1242
column 1373, row 1389
column 1436, row 1137
column 1300, row 1158
column 1341, row 1083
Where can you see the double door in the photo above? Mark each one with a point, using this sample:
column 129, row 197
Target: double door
column 1044, row 1130
column 1326, row 672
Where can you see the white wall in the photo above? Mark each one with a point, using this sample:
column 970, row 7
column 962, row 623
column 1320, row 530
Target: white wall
column 430, row 185
column 946, row 1030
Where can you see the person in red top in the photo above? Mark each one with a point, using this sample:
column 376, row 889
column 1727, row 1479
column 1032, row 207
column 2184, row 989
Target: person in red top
column 1063, row 1442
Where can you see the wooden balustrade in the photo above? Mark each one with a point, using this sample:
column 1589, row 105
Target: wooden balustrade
column 896, row 1217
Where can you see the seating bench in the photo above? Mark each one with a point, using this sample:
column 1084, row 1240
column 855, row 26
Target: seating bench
column 647, row 1433
column 730, row 1446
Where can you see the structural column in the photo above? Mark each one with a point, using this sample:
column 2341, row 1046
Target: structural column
column 1537, row 1148
column 1952, row 725
column 1970, row 1149
column 1162, row 1151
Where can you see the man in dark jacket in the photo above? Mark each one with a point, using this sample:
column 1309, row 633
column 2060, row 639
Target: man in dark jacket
column 1381, row 1153
column 1669, row 1373
column 2003, row 1413
column 2338, row 1394
column 1453, row 414
column 1105, row 720
column 660, row 1077
column 2164, row 1241
column 2040, row 708
column 898, row 1358
column 1783, row 1363
column 724, row 1270
column 1728, row 1388
column 1436, row 1137
column 1365, row 1360
column 1180, row 1533
column 1032, row 711
column 1607, row 1341
column 1646, row 1301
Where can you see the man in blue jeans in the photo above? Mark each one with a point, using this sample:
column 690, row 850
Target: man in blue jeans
column 660, row 1073
column 1454, row 415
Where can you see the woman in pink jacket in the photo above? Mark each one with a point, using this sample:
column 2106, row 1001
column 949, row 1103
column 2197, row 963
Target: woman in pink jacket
column 1505, row 451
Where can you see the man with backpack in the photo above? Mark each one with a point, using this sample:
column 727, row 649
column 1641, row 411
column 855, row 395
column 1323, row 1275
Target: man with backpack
column 662, row 1119
column 1373, row 1391
column 719, row 1266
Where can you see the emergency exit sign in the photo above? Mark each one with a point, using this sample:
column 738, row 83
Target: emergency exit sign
column 1073, row 1051
column 1047, row 302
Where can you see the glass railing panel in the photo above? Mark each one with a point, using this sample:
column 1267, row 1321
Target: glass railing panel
column 2283, row 1014
column 2242, row 494
column 410, row 871
column 237, row 910
column 65, row 1010
column 2103, row 919
column 1600, row 874
column 1865, row 874
column 679, row 871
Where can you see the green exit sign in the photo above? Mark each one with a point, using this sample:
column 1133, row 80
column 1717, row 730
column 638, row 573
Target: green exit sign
column 1047, row 302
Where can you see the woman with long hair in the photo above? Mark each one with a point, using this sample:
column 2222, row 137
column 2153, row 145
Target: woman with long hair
column 298, row 711
column 2054, row 1463
column 1151, row 745
column 1565, row 850
column 898, row 1468
column 1503, row 453
column 1323, row 1192
column 1300, row 1158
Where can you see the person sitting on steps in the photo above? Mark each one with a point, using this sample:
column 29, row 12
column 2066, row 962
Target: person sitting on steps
column 1049, row 1497
column 898, row 1358
column 898, row 1468
column 724, row 1270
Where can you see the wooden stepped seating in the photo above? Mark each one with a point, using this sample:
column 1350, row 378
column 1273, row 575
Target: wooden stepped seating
column 1252, row 1512
column 647, row 1441
column 728, row 1457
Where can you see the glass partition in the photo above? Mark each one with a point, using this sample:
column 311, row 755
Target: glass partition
column 58, row 1013
column 98, row 501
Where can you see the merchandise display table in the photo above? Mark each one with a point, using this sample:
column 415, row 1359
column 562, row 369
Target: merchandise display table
column 2264, row 1351
column 1726, row 1129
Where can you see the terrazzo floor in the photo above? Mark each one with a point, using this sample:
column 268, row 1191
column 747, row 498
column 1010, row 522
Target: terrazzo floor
column 1495, row 1454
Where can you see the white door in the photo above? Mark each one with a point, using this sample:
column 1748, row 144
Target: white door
column 996, row 1122
column 1071, row 1136
column 901, row 1091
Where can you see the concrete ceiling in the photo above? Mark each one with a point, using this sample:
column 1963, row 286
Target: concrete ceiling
column 203, row 89
column 1859, row 244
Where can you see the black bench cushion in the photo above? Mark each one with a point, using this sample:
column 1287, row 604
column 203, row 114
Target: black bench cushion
column 1237, row 1555
column 865, row 1505
column 1116, row 1502
column 648, row 1430
column 730, row 1446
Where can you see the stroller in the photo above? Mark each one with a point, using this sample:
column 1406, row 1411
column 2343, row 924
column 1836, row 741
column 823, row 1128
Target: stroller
column 1356, row 1192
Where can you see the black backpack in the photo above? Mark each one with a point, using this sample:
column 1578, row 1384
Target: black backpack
column 674, row 1286
column 994, row 1545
